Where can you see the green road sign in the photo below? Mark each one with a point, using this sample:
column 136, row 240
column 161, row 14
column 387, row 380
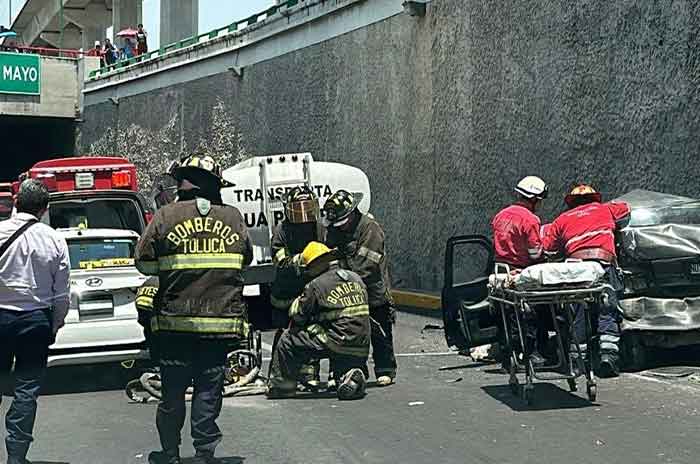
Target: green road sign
column 20, row 74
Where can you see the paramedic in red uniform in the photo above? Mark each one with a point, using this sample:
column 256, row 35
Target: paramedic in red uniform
column 517, row 243
column 587, row 232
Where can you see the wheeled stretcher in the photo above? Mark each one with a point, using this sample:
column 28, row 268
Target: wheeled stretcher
column 556, row 289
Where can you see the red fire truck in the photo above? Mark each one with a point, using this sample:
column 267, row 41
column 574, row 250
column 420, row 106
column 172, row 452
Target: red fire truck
column 91, row 192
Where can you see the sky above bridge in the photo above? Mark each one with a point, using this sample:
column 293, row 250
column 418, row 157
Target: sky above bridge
column 212, row 13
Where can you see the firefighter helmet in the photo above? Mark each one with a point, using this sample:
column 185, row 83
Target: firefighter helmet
column 195, row 167
column 532, row 187
column 339, row 206
column 313, row 251
column 301, row 206
column 582, row 194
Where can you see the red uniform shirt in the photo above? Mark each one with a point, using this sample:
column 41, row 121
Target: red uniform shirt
column 516, row 236
column 588, row 226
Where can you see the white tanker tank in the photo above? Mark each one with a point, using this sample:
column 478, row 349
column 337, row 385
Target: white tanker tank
column 258, row 185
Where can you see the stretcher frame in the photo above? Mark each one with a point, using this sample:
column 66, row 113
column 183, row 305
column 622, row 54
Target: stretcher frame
column 560, row 301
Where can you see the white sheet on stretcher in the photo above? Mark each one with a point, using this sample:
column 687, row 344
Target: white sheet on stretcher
column 547, row 275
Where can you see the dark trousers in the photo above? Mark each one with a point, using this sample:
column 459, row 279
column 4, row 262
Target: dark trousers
column 295, row 349
column 605, row 317
column 183, row 363
column 25, row 338
column 383, row 318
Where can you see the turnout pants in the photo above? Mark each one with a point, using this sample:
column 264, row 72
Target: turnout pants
column 295, row 349
column 25, row 338
column 183, row 363
column 605, row 317
column 382, row 321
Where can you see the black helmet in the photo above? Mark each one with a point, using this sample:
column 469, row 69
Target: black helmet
column 300, row 205
column 340, row 206
column 197, row 167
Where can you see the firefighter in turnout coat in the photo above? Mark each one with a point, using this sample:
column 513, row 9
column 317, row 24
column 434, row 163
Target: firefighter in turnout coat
column 198, row 248
column 360, row 241
column 330, row 320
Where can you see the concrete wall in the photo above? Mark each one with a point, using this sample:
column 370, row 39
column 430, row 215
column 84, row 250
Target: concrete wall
column 59, row 90
column 447, row 112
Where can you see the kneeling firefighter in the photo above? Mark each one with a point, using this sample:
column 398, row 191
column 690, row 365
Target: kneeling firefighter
column 360, row 242
column 330, row 320
column 300, row 227
column 198, row 248
column 587, row 232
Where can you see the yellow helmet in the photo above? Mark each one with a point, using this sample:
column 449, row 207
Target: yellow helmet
column 313, row 251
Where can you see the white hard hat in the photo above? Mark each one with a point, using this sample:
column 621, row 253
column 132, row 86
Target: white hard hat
column 532, row 187
column 97, row 43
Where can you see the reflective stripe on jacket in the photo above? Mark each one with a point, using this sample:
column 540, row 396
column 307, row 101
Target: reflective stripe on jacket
column 333, row 308
column 588, row 226
column 198, row 250
column 364, row 253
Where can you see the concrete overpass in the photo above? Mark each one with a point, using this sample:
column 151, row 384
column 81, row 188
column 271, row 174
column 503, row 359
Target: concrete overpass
column 79, row 23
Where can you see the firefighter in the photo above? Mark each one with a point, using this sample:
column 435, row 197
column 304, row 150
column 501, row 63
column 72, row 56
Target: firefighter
column 300, row 227
column 517, row 243
column 587, row 232
column 330, row 320
column 360, row 241
column 198, row 248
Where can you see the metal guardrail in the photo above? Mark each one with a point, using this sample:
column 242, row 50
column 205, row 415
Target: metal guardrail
column 237, row 26
column 55, row 52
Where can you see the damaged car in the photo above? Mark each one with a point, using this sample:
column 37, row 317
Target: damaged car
column 658, row 252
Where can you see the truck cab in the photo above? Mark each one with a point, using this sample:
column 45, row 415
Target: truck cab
column 92, row 192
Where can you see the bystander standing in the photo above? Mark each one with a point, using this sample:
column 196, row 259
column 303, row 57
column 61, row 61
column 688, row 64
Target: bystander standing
column 141, row 40
column 34, row 299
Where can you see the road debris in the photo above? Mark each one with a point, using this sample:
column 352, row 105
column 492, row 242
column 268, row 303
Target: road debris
column 416, row 403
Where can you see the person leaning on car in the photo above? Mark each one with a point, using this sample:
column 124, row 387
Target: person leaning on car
column 34, row 300
column 587, row 232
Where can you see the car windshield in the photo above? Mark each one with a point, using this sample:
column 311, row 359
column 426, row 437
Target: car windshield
column 101, row 253
column 118, row 213
column 5, row 207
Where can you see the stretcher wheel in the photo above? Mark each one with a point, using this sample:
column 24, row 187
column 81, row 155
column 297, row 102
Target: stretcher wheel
column 592, row 391
column 572, row 385
column 529, row 394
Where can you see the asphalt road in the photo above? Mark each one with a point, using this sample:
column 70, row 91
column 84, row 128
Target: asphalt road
column 462, row 414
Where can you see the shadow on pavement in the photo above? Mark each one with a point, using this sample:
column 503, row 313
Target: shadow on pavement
column 84, row 379
column 49, row 462
column 228, row 460
column 547, row 397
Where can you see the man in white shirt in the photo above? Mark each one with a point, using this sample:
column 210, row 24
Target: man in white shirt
column 34, row 300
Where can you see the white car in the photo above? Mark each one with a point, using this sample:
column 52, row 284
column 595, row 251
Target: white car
column 102, row 323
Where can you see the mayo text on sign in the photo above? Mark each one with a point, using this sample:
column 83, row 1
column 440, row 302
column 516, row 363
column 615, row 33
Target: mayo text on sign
column 20, row 74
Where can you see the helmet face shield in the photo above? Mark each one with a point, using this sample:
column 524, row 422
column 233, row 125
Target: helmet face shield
column 302, row 211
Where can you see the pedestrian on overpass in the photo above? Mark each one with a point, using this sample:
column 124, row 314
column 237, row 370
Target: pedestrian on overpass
column 141, row 40
column 34, row 300
column 360, row 241
column 198, row 248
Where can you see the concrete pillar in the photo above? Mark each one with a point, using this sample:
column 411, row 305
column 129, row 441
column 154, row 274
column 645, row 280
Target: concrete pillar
column 178, row 20
column 93, row 21
column 126, row 13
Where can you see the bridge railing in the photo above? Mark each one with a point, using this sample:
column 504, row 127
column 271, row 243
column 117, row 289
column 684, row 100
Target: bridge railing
column 58, row 52
column 237, row 26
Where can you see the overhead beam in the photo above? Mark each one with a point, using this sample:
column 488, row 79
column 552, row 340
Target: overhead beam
column 41, row 20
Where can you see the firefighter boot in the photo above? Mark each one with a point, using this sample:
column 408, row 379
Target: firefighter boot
column 164, row 457
column 204, row 457
column 281, row 388
column 609, row 365
column 353, row 385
